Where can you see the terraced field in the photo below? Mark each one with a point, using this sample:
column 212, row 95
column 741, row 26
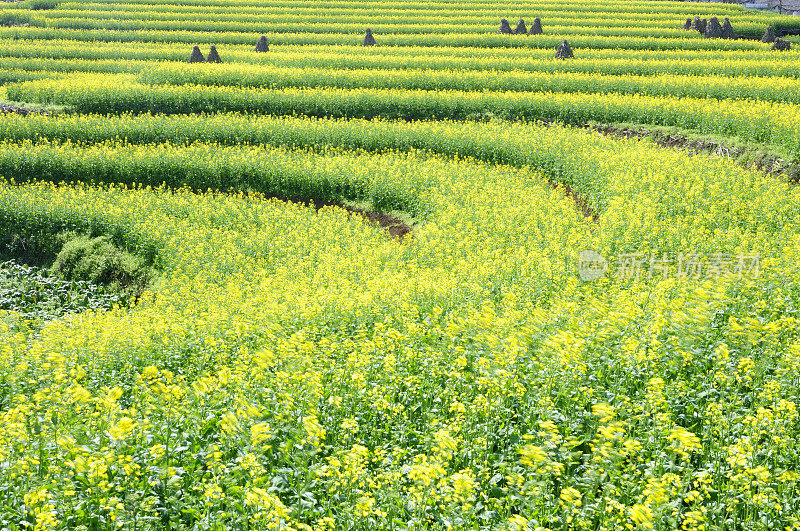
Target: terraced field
column 418, row 285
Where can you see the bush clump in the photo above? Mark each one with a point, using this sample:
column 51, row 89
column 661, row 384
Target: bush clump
column 99, row 261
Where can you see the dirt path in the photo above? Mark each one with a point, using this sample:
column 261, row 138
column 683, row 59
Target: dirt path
column 396, row 227
column 582, row 204
column 760, row 160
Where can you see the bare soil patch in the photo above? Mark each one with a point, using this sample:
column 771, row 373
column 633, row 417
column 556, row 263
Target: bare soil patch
column 583, row 205
column 751, row 157
column 396, row 227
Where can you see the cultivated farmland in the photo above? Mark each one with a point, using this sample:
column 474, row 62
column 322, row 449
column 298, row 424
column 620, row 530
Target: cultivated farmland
column 427, row 276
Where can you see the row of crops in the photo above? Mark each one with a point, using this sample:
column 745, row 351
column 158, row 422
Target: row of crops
column 772, row 123
column 708, row 87
column 94, row 56
column 397, row 17
column 400, row 23
column 301, row 374
column 283, row 363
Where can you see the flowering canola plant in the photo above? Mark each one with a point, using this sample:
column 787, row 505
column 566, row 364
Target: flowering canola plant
column 296, row 367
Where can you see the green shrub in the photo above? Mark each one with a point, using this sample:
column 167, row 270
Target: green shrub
column 99, row 261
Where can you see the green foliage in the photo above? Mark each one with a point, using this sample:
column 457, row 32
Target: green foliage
column 58, row 55
column 664, row 84
column 301, row 361
column 11, row 18
column 158, row 32
column 38, row 5
column 29, row 236
column 202, row 166
column 37, row 295
column 764, row 122
column 99, row 261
